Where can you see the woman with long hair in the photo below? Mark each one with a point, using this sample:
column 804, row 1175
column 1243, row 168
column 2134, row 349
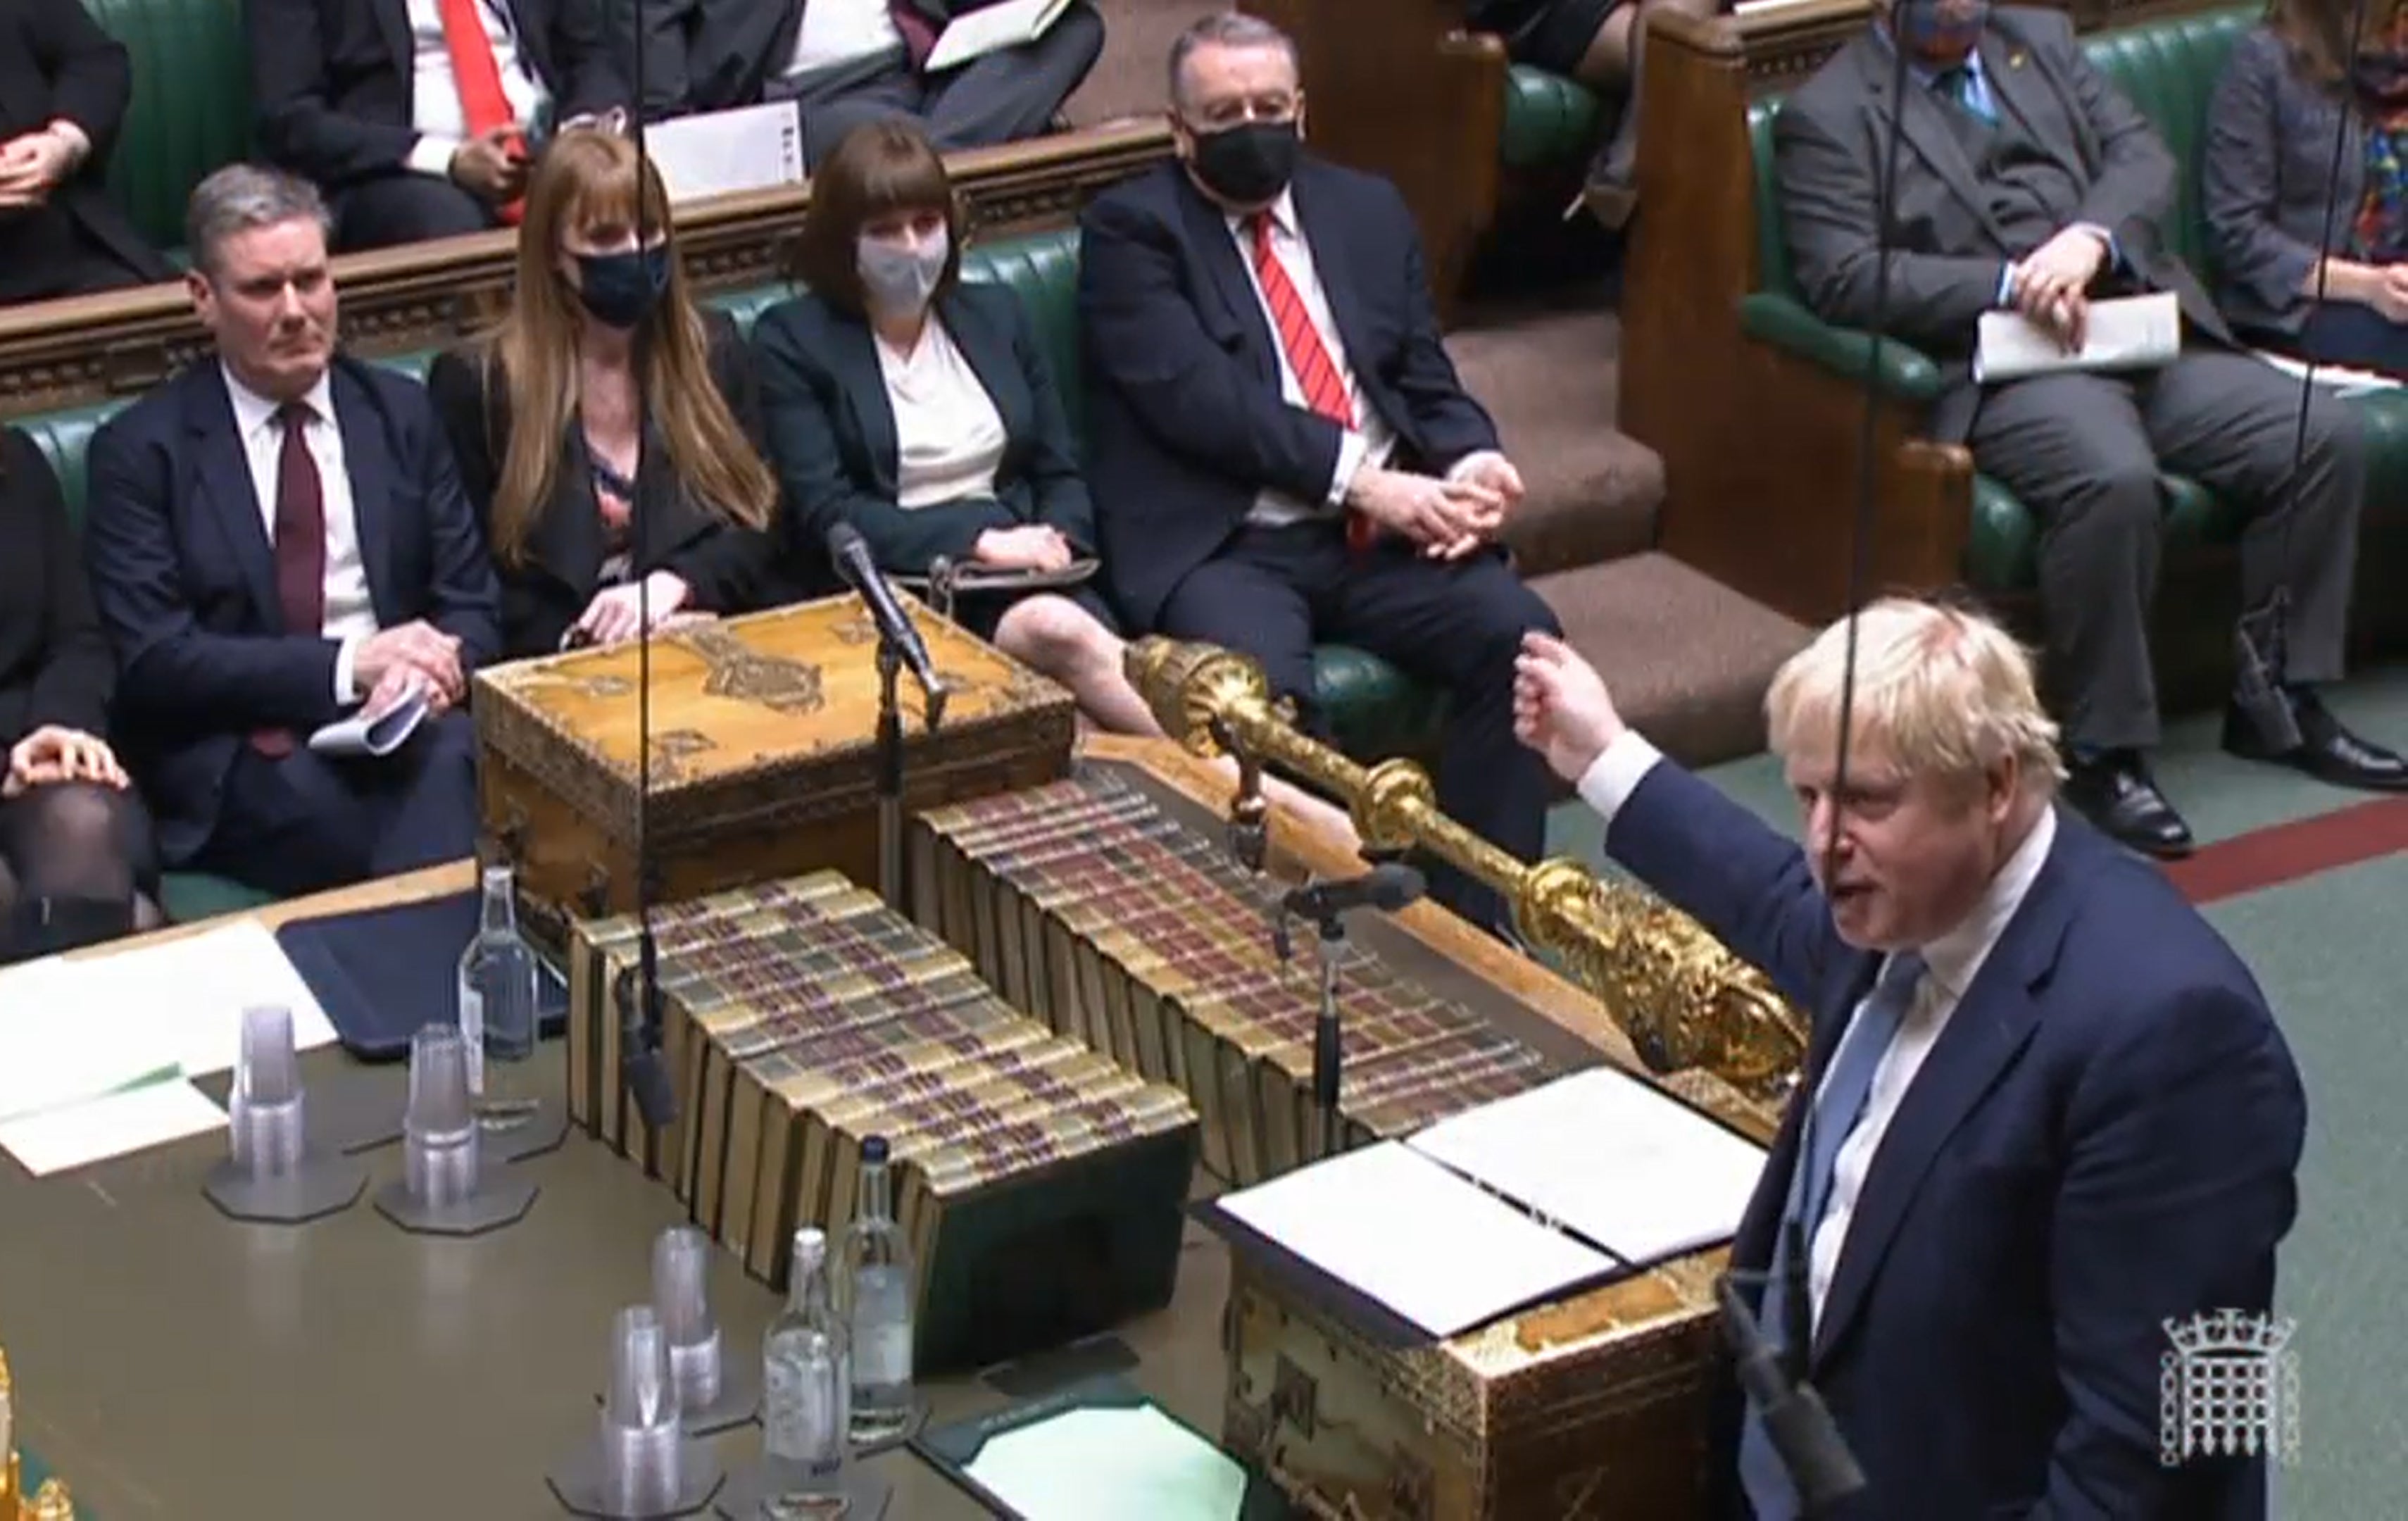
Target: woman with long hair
column 2334, row 290
column 592, row 523
column 920, row 410
column 77, row 864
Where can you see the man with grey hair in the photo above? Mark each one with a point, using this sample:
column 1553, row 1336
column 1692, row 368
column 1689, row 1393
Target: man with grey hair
column 278, row 540
column 1281, row 452
column 2045, row 1110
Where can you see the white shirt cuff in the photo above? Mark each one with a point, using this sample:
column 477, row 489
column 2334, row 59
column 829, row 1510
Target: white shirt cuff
column 432, row 155
column 1353, row 449
column 1616, row 772
column 1472, row 462
column 346, row 654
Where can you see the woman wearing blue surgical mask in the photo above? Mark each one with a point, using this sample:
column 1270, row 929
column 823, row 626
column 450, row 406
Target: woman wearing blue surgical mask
column 593, row 525
column 922, row 412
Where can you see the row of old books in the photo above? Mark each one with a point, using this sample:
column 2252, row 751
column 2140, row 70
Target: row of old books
column 1085, row 904
column 1040, row 1183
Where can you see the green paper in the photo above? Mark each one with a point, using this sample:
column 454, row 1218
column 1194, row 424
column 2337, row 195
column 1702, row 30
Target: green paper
column 1109, row 1465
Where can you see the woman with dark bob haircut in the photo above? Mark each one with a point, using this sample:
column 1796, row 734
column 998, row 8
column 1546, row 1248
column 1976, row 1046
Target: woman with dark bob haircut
column 920, row 410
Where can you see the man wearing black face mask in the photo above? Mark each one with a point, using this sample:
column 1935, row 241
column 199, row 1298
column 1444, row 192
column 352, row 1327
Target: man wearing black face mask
column 2027, row 184
column 1281, row 452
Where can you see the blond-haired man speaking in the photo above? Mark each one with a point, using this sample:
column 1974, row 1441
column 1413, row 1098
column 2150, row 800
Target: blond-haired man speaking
column 2050, row 1110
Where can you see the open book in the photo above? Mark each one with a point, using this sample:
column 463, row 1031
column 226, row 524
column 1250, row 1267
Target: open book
column 1009, row 24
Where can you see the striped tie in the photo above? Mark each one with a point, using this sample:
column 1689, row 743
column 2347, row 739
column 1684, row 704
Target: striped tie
column 1316, row 373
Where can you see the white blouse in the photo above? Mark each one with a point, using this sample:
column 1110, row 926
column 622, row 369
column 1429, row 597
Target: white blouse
column 949, row 437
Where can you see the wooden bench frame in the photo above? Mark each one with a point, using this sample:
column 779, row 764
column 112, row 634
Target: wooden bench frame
column 84, row 350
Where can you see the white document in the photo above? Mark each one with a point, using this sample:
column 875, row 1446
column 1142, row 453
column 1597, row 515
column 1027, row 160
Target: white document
column 55, row 1051
column 721, row 152
column 2130, row 332
column 1612, row 1159
column 382, row 735
column 1399, row 1229
column 118, row 1125
column 2339, row 378
column 981, row 32
column 1109, row 1465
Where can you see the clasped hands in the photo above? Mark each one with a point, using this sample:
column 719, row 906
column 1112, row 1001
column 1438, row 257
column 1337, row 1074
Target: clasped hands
column 32, row 165
column 2051, row 286
column 1449, row 517
column 1030, row 547
column 392, row 662
column 494, row 165
column 55, row 754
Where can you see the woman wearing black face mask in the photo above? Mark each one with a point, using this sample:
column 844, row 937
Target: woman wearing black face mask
column 543, row 414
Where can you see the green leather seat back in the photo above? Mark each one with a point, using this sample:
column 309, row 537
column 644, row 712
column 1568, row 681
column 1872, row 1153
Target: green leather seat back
column 1548, row 118
column 190, row 108
column 2168, row 69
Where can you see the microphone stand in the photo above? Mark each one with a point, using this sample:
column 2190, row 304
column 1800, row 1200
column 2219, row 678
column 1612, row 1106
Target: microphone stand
column 889, row 743
column 1329, row 1054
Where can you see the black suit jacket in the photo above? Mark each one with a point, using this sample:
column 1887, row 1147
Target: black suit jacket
column 736, row 45
column 1184, row 418
column 184, row 575
column 55, row 61
column 728, row 567
column 832, row 433
column 333, row 79
column 55, row 664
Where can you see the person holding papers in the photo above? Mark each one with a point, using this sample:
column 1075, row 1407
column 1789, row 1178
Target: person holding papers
column 1002, row 78
column 75, row 860
column 2025, row 183
column 593, row 525
column 276, row 539
column 2046, row 1110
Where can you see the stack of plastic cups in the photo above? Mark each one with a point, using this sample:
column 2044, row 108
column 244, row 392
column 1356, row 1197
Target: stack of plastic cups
column 641, row 1463
column 713, row 1392
column 445, row 1189
column 273, row 1173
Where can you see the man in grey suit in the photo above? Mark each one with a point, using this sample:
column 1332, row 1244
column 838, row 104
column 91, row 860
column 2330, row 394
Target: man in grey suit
column 2026, row 183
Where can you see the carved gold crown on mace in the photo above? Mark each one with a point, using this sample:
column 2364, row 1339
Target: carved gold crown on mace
column 1680, row 995
column 51, row 1503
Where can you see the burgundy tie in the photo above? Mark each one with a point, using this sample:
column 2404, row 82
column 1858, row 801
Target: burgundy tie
column 300, row 547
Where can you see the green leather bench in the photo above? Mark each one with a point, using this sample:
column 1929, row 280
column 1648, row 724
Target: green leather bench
column 191, row 107
column 1549, row 118
column 2167, row 69
column 1375, row 710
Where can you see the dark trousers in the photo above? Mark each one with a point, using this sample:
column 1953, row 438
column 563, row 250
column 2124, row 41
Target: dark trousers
column 2344, row 333
column 1274, row 593
column 1007, row 96
column 307, row 823
column 2084, row 452
column 406, row 207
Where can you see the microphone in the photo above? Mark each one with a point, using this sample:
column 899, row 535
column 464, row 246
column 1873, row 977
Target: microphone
column 1802, row 1433
column 850, row 554
column 1388, row 887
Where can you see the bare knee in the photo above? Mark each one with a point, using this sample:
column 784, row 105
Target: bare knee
column 1052, row 633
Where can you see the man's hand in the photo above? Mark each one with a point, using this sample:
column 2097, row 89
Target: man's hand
column 1031, row 546
column 1436, row 514
column 55, row 754
column 493, row 165
column 32, row 165
column 2051, row 285
column 420, row 646
column 617, row 612
column 1561, row 708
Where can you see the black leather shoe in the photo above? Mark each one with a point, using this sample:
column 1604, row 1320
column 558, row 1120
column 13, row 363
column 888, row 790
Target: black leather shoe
column 2115, row 792
column 2326, row 751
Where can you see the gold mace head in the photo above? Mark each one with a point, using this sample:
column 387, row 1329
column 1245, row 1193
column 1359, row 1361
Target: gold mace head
column 1187, row 686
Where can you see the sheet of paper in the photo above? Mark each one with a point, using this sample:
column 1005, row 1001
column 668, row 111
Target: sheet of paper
column 118, row 1125
column 991, row 28
column 1106, row 1465
column 56, row 1050
column 719, row 152
column 2130, row 332
column 2339, row 379
column 381, row 735
column 1614, row 1160
column 1401, row 1229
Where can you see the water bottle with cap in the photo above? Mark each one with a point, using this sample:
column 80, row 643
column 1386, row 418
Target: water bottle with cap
column 877, row 1307
column 806, row 1381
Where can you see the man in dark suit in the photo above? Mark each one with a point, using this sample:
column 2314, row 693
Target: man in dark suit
column 1279, row 448
column 846, row 62
column 277, row 537
column 2050, row 1112
column 62, row 89
column 420, row 118
column 2028, row 184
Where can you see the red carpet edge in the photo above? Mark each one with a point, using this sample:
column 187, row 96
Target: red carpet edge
column 2286, row 852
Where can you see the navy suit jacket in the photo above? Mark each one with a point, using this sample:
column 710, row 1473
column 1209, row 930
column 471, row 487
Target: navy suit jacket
column 831, row 440
column 1185, row 420
column 2104, row 1137
column 183, row 574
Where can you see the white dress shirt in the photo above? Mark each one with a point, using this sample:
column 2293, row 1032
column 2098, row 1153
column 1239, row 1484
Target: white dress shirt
column 435, row 108
column 1370, row 441
column 948, row 437
column 836, row 32
column 350, row 614
column 1954, row 960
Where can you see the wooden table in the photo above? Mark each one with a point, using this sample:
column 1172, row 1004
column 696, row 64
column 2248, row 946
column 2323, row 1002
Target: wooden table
column 172, row 1363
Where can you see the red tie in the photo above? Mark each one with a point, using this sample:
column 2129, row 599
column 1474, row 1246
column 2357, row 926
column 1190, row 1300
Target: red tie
column 300, row 547
column 479, row 77
column 1316, row 374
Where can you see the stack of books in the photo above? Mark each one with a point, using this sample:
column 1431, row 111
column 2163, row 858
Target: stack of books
column 1087, row 906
